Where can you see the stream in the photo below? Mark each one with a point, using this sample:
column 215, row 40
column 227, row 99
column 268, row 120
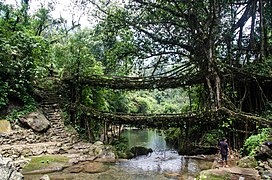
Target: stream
column 164, row 163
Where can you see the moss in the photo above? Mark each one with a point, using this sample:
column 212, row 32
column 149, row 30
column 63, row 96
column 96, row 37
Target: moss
column 46, row 161
column 209, row 176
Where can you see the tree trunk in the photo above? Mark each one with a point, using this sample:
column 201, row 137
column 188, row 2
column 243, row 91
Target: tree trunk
column 262, row 55
column 212, row 78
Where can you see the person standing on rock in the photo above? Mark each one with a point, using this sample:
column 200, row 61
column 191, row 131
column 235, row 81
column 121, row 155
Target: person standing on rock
column 224, row 151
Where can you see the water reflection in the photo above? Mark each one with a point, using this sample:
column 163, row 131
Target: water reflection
column 150, row 138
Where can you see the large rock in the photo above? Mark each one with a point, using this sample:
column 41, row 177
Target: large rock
column 5, row 126
column 139, row 150
column 36, row 121
column 8, row 170
column 87, row 167
column 95, row 167
column 45, row 177
column 247, row 162
column 264, row 153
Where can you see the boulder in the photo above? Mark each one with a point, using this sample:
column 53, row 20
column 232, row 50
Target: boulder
column 264, row 153
column 8, row 170
column 98, row 143
column 95, row 167
column 45, row 177
column 247, row 162
column 269, row 144
column 126, row 155
column 87, row 167
column 5, row 126
column 139, row 150
column 36, row 121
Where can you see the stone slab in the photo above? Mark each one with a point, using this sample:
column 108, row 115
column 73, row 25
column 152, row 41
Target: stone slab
column 5, row 126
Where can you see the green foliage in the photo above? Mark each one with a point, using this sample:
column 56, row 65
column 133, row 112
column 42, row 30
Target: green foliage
column 29, row 106
column 74, row 58
column 172, row 135
column 120, row 146
column 20, row 52
column 115, row 46
column 254, row 141
column 141, row 102
column 118, row 101
column 268, row 110
column 211, row 138
column 169, row 108
column 167, row 101
column 4, row 94
column 227, row 122
column 263, row 68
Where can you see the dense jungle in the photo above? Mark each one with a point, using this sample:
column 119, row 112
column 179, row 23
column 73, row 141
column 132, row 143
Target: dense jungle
column 198, row 70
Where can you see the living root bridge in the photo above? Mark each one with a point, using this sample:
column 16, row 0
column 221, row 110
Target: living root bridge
column 205, row 118
column 246, row 117
column 134, row 83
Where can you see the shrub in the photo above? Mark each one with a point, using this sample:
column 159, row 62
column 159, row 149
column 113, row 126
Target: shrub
column 253, row 142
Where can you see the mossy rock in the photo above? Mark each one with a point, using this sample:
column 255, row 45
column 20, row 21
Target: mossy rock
column 247, row 162
column 46, row 162
column 140, row 150
column 125, row 155
column 207, row 175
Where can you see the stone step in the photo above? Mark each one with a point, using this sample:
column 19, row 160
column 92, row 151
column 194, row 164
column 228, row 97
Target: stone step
column 49, row 105
column 57, row 125
column 54, row 115
column 55, row 119
column 53, row 112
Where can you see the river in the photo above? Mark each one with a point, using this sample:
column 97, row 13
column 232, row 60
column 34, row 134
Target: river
column 163, row 161
column 163, row 164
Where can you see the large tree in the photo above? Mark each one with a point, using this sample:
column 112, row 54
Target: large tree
column 214, row 40
column 222, row 47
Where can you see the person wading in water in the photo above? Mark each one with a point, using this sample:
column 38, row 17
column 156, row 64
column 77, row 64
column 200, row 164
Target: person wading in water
column 224, row 151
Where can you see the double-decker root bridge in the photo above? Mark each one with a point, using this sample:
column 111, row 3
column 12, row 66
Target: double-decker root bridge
column 208, row 117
